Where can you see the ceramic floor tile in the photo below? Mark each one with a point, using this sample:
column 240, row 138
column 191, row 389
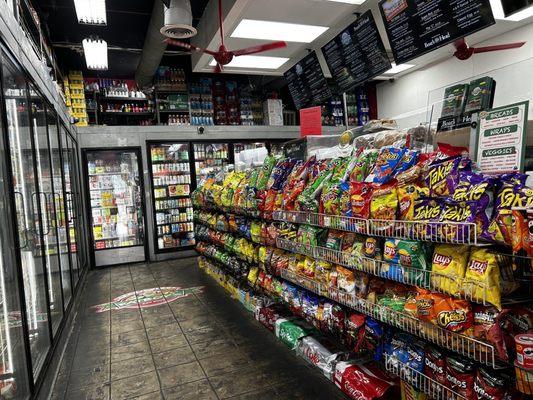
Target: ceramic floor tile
column 169, row 358
column 180, row 374
column 198, row 390
column 135, row 350
column 133, row 386
column 167, row 343
column 131, row 367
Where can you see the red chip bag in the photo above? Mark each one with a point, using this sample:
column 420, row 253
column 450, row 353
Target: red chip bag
column 487, row 328
column 361, row 381
column 491, row 386
column 460, row 376
column 361, row 194
column 354, row 331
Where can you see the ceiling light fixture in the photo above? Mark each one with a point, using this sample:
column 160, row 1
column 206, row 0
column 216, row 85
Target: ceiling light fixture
column 95, row 51
column 396, row 69
column 91, row 12
column 270, row 30
column 358, row 2
column 261, row 62
column 497, row 11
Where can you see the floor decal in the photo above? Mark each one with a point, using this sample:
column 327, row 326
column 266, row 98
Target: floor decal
column 148, row 298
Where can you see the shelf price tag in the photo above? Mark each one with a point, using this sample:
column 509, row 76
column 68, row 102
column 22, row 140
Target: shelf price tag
column 502, row 138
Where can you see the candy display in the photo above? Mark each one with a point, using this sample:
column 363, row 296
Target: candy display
column 396, row 256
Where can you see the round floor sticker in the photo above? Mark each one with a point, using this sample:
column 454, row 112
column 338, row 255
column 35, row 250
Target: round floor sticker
column 148, row 298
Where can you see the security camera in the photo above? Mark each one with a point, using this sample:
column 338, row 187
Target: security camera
column 201, row 130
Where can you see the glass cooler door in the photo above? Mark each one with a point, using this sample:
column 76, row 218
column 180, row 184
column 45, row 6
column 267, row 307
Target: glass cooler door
column 117, row 210
column 209, row 157
column 170, row 171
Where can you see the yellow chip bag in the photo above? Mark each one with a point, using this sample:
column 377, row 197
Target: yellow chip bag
column 448, row 267
column 482, row 278
column 252, row 275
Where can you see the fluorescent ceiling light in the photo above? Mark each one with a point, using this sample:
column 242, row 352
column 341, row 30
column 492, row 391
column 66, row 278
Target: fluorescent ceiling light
column 95, row 51
column 358, row 2
column 91, row 12
column 270, row 30
column 396, row 69
column 497, row 11
column 261, row 62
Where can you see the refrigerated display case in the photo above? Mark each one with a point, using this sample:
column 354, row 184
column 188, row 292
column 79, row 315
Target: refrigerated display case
column 114, row 184
column 210, row 157
column 170, row 173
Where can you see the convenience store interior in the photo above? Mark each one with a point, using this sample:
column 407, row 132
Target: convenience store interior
column 249, row 199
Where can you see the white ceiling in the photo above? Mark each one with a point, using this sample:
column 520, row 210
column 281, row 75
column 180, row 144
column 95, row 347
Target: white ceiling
column 312, row 12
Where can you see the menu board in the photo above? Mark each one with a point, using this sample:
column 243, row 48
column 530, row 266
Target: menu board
column 502, row 137
column 307, row 83
column 415, row 27
column 357, row 54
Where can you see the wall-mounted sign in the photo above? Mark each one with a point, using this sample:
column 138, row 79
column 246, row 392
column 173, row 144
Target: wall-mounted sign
column 307, row 83
column 357, row 54
column 415, row 27
column 311, row 121
column 502, row 138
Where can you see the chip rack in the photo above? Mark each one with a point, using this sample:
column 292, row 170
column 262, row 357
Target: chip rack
column 437, row 232
column 471, row 290
column 467, row 346
column 421, row 382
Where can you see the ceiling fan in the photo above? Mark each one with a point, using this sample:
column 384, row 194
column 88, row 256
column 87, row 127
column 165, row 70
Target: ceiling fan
column 463, row 51
column 224, row 56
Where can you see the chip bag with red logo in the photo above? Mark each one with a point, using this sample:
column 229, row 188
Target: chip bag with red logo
column 454, row 314
column 460, row 376
column 361, row 381
column 482, row 278
column 448, row 267
column 388, row 159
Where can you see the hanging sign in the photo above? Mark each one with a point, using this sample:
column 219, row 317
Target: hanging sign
column 502, row 138
column 416, row 27
column 311, row 121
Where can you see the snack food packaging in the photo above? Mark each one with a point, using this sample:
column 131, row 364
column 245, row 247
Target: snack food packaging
column 460, row 376
column 482, row 277
column 388, row 159
column 487, row 327
column 269, row 315
column 414, row 256
column 322, row 353
column 435, row 369
column 410, row 393
column 354, row 331
column 384, row 206
column 290, row 331
column 524, row 380
column 449, row 267
column 490, row 385
column 361, row 381
column 524, row 350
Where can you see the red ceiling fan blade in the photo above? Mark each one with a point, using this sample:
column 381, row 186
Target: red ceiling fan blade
column 220, row 22
column 498, row 47
column 460, row 43
column 189, row 46
column 260, row 48
column 218, row 68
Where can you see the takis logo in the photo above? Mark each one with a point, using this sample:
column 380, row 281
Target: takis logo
column 148, row 298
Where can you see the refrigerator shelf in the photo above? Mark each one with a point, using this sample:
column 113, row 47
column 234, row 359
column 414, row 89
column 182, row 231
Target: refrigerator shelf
column 111, row 173
column 170, row 161
column 172, row 197
column 173, row 233
column 174, row 223
column 167, row 185
column 173, row 208
column 115, row 206
column 211, row 158
column 115, row 237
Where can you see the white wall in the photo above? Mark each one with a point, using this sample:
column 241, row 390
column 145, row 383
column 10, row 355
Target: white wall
column 407, row 98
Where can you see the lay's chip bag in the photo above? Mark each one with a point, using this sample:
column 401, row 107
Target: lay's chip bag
column 449, row 267
column 482, row 278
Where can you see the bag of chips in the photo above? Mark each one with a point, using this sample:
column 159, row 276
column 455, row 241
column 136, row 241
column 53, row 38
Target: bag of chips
column 449, row 267
column 488, row 321
column 459, row 214
column 425, row 210
column 388, row 159
column 442, row 176
column 360, row 197
column 435, row 369
column 408, row 194
column 454, row 314
column 413, row 256
column 265, row 172
column 460, row 376
column 361, row 382
column 383, row 207
column 345, row 280
column 482, row 278
column 491, row 385
column 354, row 331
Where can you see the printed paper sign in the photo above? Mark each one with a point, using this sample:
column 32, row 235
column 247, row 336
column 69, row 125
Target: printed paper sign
column 310, row 121
column 501, row 138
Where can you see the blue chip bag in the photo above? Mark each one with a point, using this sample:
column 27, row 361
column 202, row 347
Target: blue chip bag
column 388, row 159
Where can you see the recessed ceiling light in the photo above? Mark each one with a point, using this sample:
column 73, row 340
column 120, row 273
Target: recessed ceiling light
column 95, row 51
column 497, row 11
column 91, row 12
column 358, row 2
column 270, row 30
column 261, row 62
column 396, row 69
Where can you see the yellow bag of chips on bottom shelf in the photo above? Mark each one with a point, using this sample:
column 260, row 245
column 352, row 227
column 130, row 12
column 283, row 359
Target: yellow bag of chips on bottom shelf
column 482, row 278
column 449, row 267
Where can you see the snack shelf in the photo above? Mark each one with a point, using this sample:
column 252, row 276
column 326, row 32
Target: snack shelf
column 461, row 344
column 428, row 231
column 423, row 383
column 524, row 379
column 475, row 291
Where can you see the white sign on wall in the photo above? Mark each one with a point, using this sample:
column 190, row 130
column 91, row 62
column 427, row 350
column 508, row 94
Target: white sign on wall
column 502, row 138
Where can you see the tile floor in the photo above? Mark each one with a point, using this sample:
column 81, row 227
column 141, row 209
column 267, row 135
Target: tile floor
column 203, row 346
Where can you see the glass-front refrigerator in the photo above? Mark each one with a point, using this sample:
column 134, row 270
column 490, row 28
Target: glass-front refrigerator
column 29, row 224
column 14, row 337
column 114, row 180
column 170, row 173
column 210, row 157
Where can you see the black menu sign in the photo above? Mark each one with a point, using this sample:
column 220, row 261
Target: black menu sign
column 307, row 83
column 357, row 54
column 415, row 27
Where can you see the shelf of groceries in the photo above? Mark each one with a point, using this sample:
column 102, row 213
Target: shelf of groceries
column 414, row 242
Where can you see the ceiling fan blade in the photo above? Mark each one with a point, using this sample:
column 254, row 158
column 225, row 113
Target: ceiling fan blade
column 189, row 46
column 220, row 22
column 218, row 68
column 259, row 49
column 460, row 43
column 498, row 47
